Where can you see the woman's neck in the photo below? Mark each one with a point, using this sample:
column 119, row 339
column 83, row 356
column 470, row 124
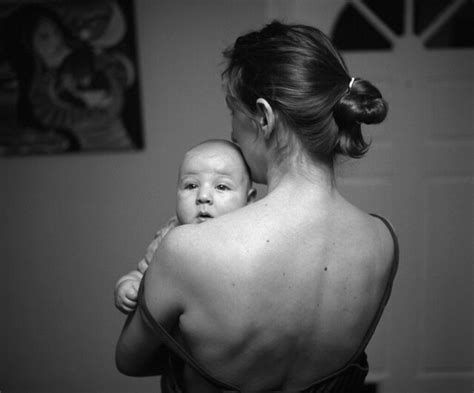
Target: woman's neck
column 301, row 171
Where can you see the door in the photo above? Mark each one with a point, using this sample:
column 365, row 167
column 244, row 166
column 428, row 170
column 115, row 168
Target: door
column 419, row 173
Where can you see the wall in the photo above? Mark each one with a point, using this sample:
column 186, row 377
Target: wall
column 71, row 225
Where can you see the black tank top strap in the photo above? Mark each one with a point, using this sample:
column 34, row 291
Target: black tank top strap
column 356, row 369
column 395, row 260
column 174, row 345
column 388, row 288
column 396, row 253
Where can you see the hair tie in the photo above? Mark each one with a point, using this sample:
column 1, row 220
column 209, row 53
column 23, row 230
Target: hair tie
column 351, row 83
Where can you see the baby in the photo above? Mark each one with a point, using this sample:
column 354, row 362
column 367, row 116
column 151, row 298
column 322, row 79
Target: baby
column 213, row 180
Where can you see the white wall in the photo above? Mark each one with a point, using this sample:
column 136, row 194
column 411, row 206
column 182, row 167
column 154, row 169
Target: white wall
column 71, row 225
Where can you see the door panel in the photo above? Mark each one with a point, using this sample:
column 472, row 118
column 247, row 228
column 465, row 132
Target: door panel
column 419, row 173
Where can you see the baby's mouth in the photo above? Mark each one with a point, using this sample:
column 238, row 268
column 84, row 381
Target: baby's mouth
column 203, row 216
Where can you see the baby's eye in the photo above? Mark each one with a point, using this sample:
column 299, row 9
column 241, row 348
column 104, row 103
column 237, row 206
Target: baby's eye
column 190, row 186
column 223, row 187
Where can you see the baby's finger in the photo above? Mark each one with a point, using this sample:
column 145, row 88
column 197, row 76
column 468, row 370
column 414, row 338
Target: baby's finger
column 142, row 266
column 129, row 302
column 131, row 294
column 126, row 310
column 123, row 308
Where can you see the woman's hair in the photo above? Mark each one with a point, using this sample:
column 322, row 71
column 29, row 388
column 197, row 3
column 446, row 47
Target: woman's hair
column 305, row 80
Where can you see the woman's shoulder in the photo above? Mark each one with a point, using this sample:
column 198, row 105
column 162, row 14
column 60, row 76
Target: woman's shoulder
column 194, row 252
column 376, row 242
column 385, row 231
column 178, row 248
column 361, row 242
column 370, row 228
column 378, row 233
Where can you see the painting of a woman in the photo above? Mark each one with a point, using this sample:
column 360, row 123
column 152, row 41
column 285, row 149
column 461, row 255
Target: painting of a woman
column 71, row 87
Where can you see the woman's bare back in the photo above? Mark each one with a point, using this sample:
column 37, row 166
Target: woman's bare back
column 277, row 298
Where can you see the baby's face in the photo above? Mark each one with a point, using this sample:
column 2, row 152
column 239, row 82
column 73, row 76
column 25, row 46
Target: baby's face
column 212, row 181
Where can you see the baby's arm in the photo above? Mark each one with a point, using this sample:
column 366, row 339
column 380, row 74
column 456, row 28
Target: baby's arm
column 151, row 250
column 126, row 289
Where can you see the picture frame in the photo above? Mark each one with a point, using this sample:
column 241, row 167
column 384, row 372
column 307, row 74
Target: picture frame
column 69, row 78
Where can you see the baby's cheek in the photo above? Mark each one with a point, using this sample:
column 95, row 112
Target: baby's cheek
column 235, row 202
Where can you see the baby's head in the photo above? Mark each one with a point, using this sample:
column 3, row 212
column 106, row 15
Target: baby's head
column 213, row 180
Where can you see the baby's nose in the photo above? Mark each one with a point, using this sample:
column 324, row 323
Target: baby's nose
column 204, row 196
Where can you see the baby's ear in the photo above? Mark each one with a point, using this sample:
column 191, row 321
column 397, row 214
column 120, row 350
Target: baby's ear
column 251, row 195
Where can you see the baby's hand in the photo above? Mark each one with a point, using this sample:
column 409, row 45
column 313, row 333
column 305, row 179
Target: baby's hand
column 126, row 293
column 143, row 266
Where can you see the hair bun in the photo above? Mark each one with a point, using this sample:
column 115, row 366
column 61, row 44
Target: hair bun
column 362, row 103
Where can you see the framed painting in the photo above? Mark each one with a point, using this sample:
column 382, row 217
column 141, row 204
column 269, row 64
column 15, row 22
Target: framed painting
column 69, row 78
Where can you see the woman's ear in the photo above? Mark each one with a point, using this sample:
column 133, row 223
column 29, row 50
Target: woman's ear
column 265, row 117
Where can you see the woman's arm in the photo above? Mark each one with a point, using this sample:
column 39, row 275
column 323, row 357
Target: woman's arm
column 140, row 351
